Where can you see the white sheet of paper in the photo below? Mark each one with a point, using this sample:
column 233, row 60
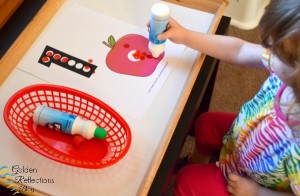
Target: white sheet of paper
column 80, row 32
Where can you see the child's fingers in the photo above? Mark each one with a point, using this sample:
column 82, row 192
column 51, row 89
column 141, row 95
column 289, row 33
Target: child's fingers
column 231, row 183
column 161, row 37
column 230, row 189
column 165, row 35
column 233, row 177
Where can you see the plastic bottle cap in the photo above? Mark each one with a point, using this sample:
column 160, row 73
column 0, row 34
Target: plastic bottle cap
column 160, row 11
column 100, row 133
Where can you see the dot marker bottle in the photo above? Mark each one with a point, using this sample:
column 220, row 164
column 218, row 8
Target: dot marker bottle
column 159, row 18
column 67, row 123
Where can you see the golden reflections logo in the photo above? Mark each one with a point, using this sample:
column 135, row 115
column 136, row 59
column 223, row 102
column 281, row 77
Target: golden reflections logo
column 16, row 177
column 6, row 179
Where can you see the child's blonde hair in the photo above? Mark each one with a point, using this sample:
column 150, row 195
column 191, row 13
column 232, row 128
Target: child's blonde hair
column 280, row 32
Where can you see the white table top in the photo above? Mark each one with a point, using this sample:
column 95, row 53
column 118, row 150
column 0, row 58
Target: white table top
column 129, row 175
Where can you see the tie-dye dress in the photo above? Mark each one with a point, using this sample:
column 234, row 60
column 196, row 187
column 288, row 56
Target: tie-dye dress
column 259, row 144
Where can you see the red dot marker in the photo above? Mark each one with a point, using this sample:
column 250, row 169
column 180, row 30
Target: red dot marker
column 86, row 68
column 45, row 59
column 64, row 59
column 49, row 53
column 57, row 56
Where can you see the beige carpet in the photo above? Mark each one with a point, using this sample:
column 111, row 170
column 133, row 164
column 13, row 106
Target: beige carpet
column 234, row 85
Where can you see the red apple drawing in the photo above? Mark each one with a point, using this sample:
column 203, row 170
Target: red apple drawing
column 130, row 56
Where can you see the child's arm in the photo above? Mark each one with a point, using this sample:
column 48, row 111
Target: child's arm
column 229, row 49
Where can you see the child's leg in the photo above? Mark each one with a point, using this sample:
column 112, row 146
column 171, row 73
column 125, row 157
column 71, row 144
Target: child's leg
column 209, row 131
column 200, row 179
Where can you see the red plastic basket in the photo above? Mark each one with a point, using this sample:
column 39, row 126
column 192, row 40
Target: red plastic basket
column 93, row 153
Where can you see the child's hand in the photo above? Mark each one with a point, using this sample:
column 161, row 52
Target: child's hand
column 240, row 186
column 175, row 32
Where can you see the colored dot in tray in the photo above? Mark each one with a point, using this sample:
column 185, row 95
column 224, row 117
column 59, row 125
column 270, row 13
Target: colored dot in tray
column 71, row 62
column 86, row 68
column 64, row 59
column 79, row 65
column 57, row 56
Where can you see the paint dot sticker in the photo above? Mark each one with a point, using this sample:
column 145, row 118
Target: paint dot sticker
column 45, row 59
column 57, row 56
column 49, row 53
column 86, row 68
column 64, row 59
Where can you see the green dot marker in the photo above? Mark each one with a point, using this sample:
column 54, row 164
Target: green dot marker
column 100, row 133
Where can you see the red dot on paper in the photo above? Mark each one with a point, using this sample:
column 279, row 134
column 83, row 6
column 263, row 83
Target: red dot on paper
column 64, row 59
column 46, row 59
column 126, row 45
column 49, row 53
column 57, row 56
column 149, row 56
column 86, row 68
column 136, row 55
column 90, row 60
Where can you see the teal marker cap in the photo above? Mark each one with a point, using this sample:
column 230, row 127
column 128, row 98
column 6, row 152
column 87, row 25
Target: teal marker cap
column 100, row 133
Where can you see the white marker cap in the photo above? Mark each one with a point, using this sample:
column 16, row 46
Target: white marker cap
column 160, row 11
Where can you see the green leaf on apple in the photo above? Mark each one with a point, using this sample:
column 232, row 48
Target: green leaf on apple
column 111, row 40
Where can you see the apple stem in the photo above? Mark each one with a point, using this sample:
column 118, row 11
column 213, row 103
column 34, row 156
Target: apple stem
column 106, row 44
